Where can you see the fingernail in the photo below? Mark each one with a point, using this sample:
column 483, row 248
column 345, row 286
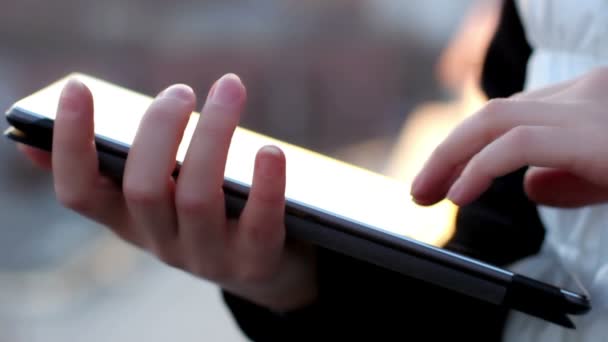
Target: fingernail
column 455, row 192
column 72, row 97
column 178, row 91
column 228, row 91
column 268, row 161
column 74, row 84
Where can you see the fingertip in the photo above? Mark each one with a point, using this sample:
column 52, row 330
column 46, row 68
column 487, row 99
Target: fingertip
column 232, row 77
column 423, row 201
column 75, row 98
column 268, row 186
column 272, row 152
column 432, row 183
column 74, row 87
column 73, row 84
column 228, row 91
column 179, row 91
column 270, row 162
column 456, row 192
column 415, row 189
column 265, row 208
column 422, row 194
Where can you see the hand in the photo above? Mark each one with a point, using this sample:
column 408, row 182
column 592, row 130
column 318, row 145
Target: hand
column 183, row 221
column 560, row 131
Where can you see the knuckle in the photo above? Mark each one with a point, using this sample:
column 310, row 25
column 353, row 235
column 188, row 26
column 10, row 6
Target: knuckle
column 192, row 203
column 73, row 199
column 265, row 235
column 213, row 271
column 519, row 140
column 496, row 106
column 520, row 137
column 491, row 118
column 137, row 192
column 490, row 115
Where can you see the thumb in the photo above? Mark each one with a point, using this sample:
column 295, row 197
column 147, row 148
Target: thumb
column 559, row 188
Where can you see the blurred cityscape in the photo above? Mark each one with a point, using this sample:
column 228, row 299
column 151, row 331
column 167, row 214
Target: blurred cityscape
column 338, row 77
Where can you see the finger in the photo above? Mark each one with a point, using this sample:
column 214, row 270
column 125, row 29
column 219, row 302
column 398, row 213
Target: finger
column 591, row 86
column 561, row 188
column 38, row 157
column 453, row 176
column 544, row 92
column 147, row 183
column 199, row 197
column 526, row 145
column 476, row 132
column 77, row 181
column 261, row 231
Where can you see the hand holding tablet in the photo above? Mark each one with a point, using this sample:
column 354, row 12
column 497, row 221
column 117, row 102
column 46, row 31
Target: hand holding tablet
column 201, row 167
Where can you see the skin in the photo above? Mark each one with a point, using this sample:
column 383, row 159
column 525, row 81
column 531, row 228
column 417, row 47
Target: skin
column 560, row 131
column 183, row 221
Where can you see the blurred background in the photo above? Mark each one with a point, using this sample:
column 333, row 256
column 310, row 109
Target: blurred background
column 373, row 82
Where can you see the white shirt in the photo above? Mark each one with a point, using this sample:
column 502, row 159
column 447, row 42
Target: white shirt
column 569, row 38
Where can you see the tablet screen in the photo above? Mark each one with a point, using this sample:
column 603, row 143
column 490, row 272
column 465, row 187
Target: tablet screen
column 313, row 180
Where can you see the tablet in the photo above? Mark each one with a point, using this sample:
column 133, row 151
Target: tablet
column 329, row 203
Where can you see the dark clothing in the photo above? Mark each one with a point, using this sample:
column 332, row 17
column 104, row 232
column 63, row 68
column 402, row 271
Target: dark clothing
column 360, row 301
